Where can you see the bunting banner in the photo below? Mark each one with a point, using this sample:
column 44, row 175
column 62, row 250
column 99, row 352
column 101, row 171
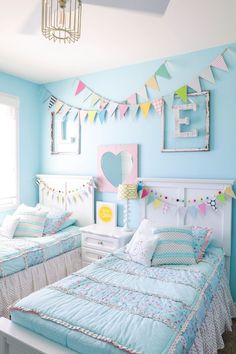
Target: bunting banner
column 106, row 108
column 197, row 205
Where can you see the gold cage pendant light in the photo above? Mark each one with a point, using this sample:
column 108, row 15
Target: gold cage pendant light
column 61, row 20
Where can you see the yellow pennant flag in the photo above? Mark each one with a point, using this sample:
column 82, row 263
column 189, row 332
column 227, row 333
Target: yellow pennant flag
column 157, row 203
column 91, row 116
column 58, row 106
column 152, row 83
column 229, row 191
column 145, row 107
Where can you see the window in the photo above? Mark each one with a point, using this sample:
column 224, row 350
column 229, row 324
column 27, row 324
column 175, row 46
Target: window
column 9, row 107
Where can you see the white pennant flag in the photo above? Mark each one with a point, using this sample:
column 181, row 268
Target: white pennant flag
column 143, row 93
column 134, row 110
column 207, row 74
column 195, row 85
column 219, row 63
column 82, row 115
column 112, row 108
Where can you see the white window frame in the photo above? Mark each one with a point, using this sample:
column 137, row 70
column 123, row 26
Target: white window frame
column 14, row 101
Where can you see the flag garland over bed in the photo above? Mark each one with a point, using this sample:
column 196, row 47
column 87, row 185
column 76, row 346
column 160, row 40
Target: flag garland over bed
column 102, row 107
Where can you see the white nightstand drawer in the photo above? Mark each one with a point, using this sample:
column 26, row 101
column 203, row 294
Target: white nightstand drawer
column 99, row 242
column 91, row 255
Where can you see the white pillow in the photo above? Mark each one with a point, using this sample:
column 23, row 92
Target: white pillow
column 143, row 244
column 9, row 226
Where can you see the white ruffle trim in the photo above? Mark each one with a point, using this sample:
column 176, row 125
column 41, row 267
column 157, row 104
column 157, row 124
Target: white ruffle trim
column 218, row 320
column 18, row 285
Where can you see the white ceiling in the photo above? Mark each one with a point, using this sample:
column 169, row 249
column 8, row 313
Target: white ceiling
column 111, row 37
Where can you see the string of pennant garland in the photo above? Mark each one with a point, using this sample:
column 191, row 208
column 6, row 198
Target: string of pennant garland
column 194, row 205
column 72, row 195
column 103, row 107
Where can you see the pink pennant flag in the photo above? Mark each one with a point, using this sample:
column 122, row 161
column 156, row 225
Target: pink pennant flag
column 158, row 105
column 81, row 86
column 145, row 192
column 112, row 107
column 132, row 99
column 123, row 109
column 202, row 208
column 102, row 105
column 195, row 85
column 220, row 63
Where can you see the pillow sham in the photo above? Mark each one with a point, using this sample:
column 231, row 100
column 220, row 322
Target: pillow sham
column 174, row 246
column 142, row 244
column 31, row 223
column 9, row 226
column 201, row 240
column 55, row 218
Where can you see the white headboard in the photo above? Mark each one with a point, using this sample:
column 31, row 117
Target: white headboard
column 72, row 193
column 178, row 214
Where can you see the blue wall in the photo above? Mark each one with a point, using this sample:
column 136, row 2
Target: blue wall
column 29, row 137
column 119, row 84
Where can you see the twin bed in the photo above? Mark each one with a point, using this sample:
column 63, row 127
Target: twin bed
column 30, row 263
column 116, row 305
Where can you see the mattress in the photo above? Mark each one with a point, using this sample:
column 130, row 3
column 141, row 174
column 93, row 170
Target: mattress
column 116, row 305
column 20, row 253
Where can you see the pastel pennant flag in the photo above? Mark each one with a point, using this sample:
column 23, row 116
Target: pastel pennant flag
column 143, row 93
column 221, row 197
column 95, row 98
column 207, row 74
column 102, row 116
column 157, row 203
column 52, row 102
column 132, row 99
column 220, row 63
column 81, row 86
column 145, row 107
column 202, row 208
column 73, row 113
column 112, row 108
column 163, row 72
column 169, row 99
column 193, row 210
column 182, row 93
column 83, row 115
column 212, row 203
column 158, row 105
column 229, row 191
column 123, row 109
column 87, row 96
column 91, row 116
column 134, row 110
column 58, row 106
column 102, row 105
column 150, row 198
column 152, row 83
column 195, row 85
column 64, row 110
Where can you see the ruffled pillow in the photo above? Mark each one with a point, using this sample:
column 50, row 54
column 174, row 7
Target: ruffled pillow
column 201, row 240
column 55, row 218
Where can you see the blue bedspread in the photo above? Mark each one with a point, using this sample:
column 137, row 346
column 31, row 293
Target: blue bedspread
column 116, row 305
column 22, row 252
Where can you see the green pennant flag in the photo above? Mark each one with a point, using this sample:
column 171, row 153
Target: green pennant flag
column 182, row 93
column 163, row 72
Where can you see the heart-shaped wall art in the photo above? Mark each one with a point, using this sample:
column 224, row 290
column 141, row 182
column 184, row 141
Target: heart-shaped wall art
column 117, row 168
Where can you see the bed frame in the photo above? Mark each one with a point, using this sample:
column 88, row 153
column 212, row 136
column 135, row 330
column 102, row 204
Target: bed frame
column 13, row 336
column 49, row 271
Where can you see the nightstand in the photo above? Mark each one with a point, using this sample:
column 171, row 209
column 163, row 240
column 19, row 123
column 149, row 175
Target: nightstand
column 98, row 241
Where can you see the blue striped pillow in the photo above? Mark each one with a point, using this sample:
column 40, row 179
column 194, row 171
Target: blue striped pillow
column 174, row 246
column 31, row 222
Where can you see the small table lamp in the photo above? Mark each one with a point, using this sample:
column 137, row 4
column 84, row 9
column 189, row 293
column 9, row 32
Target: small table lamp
column 127, row 192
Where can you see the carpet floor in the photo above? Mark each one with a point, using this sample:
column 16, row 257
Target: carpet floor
column 230, row 341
